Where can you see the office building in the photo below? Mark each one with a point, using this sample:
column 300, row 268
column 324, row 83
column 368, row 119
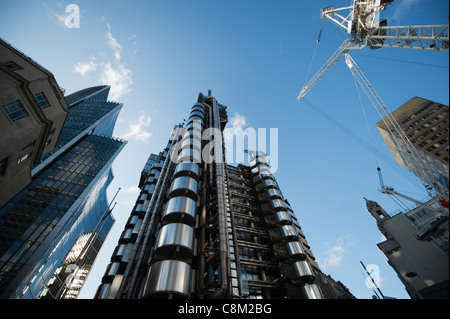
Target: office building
column 65, row 200
column 33, row 111
column 203, row 229
column 416, row 247
column 426, row 126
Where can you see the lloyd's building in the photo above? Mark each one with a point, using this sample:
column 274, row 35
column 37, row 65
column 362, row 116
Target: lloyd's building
column 204, row 229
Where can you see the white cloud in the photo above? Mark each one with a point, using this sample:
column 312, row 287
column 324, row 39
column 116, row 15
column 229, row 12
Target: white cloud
column 238, row 121
column 115, row 46
column 118, row 77
column 61, row 18
column 402, row 9
column 335, row 254
column 115, row 73
column 235, row 124
column 85, row 67
column 131, row 190
column 137, row 131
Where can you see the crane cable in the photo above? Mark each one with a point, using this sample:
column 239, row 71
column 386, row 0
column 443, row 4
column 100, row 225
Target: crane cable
column 399, row 131
column 314, row 52
column 367, row 124
column 397, row 201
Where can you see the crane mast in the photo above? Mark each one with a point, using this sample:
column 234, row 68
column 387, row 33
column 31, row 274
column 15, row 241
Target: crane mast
column 366, row 29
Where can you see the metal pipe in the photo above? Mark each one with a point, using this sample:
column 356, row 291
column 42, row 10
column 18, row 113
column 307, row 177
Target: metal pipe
column 137, row 244
column 222, row 222
column 236, row 246
column 148, row 231
column 202, row 240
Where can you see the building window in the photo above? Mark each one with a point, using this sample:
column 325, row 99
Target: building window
column 13, row 66
column 3, row 164
column 22, row 158
column 42, row 100
column 15, row 110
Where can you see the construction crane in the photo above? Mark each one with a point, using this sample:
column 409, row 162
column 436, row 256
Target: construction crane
column 394, row 127
column 365, row 28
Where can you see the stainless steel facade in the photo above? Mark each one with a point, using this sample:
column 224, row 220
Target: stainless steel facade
column 204, row 229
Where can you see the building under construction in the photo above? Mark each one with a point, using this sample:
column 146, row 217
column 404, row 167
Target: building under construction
column 205, row 229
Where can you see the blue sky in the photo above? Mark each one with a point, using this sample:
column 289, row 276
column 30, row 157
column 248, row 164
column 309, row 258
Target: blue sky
column 254, row 56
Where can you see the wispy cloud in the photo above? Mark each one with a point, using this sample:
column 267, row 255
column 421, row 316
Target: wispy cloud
column 114, row 45
column 137, row 131
column 403, row 9
column 113, row 73
column 118, row 77
column 60, row 17
column 335, row 253
column 238, row 121
column 84, row 68
column 116, row 74
column 133, row 190
column 235, row 123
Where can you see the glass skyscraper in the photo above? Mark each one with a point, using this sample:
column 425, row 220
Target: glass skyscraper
column 66, row 200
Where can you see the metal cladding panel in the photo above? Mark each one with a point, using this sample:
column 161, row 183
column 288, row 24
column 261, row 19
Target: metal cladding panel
column 193, row 133
column 288, row 233
column 196, row 118
column 175, row 240
column 259, row 168
column 131, row 221
column 149, row 188
column 180, row 209
column 273, row 193
column 273, row 206
column 187, row 169
column 114, row 289
column 190, row 142
column 302, row 271
column 295, row 250
column 199, row 108
column 198, row 105
column 268, row 183
column 283, row 218
column 103, row 291
column 190, row 155
column 168, row 277
column 260, row 159
column 184, row 185
column 311, row 291
column 265, row 175
column 139, row 208
column 112, row 269
column 119, row 250
column 194, row 126
column 197, row 113
column 126, row 235
column 277, row 205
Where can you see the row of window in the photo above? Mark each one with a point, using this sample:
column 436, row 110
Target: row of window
column 16, row 111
